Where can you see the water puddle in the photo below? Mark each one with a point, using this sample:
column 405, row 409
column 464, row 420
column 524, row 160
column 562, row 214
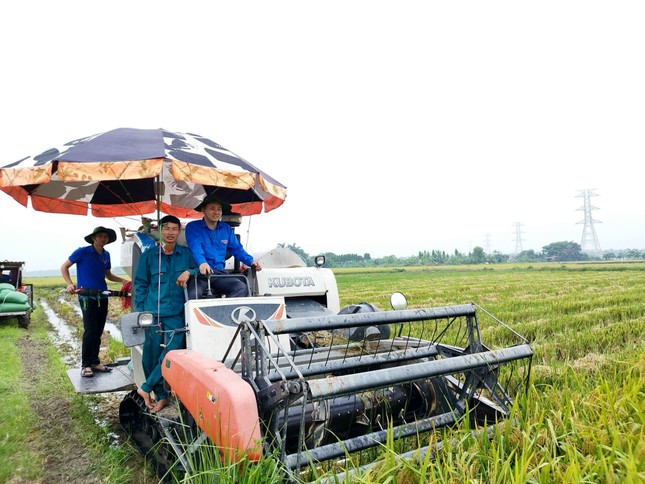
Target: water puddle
column 62, row 337
column 115, row 333
column 110, row 327
column 104, row 406
column 105, row 409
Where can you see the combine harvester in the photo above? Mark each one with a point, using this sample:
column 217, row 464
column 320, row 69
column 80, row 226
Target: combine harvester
column 287, row 373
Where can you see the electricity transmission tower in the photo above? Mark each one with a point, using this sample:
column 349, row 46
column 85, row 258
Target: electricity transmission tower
column 487, row 244
column 589, row 238
column 518, row 237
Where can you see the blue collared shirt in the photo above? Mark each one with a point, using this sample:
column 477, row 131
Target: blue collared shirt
column 90, row 267
column 210, row 246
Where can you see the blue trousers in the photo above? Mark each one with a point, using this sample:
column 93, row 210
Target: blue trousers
column 154, row 352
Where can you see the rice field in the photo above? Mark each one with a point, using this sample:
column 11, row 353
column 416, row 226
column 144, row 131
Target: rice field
column 583, row 418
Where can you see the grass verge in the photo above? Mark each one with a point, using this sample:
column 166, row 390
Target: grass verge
column 49, row 431
column 18, row 461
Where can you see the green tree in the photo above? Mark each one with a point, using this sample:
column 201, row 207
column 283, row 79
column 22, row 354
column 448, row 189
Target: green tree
column 478, row 256
column 497, row 257
column 633, row 254
column 563, row 251
column 527, row 256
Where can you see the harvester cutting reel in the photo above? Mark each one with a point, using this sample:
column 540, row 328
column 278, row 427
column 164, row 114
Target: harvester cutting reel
column 325, row 402
column 337, row 399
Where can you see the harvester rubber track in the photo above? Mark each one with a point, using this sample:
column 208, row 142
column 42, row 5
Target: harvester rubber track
column 160, row 437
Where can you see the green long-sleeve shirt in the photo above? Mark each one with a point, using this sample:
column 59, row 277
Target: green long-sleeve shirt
column 155, row 285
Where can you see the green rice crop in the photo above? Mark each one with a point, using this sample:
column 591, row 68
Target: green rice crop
column 583, row 419
column 583, row 416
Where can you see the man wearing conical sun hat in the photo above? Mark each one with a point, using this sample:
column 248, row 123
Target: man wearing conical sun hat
column 93, row 267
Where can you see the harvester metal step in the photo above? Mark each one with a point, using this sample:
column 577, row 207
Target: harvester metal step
column 119, row 379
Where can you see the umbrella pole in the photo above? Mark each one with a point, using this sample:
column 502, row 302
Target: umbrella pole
column 248, row 232
column 158, row 204
column 158, row 199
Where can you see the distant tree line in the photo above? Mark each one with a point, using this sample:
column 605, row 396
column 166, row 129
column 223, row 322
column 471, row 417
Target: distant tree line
column 554, row 252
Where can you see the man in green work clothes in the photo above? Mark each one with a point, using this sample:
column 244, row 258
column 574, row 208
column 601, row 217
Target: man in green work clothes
column 161, row 275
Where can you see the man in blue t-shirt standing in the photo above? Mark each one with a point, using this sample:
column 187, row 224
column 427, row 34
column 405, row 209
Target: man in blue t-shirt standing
column 209, row 239
column 93, row 267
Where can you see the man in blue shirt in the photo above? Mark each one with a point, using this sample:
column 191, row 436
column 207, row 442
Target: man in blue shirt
column 93, row 266
column 159, row 283
column 210, row 239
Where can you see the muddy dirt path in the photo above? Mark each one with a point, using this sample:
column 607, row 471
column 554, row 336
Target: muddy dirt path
column 61, row 444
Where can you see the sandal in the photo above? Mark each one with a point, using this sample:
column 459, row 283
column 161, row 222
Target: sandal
column 87, row 372
column 101, row 368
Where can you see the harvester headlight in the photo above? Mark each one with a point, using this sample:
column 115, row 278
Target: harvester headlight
column 398, row 301
column 319, row 260
column 145, row 320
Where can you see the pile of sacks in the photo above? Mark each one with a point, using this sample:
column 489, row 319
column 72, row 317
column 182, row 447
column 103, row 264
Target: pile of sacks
column 12, row 301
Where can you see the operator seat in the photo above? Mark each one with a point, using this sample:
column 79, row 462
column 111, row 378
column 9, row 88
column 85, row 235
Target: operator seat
column 191, row 290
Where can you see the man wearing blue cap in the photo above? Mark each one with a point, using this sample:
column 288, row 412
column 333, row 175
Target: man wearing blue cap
column 162, row 273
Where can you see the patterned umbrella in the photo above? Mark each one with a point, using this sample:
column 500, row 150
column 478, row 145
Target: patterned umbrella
column 138, row 171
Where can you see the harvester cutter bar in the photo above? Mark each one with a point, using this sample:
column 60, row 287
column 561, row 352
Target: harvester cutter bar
column 326, row 323
column 333, row 386
column 362, row 442
column 418, row 455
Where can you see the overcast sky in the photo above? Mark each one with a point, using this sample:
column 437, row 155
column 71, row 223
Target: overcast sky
column 396, row 126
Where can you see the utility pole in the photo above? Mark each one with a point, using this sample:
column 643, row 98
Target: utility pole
column 589, row 242
column 518, row 237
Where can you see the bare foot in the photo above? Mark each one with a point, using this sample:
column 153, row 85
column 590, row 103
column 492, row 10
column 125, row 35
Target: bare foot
column 146, row 398
column 159, row 405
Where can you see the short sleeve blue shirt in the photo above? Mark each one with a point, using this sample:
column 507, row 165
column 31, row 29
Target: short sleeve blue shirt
column 90, row 267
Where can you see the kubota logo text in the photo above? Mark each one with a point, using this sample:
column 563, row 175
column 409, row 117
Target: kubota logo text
column 291, row 281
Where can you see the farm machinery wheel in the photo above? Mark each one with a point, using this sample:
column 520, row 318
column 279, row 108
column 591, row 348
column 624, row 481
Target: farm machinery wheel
column 24, row 320
column 169, row 439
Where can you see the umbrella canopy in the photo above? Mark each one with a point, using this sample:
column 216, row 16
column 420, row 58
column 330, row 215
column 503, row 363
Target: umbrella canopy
column 138, row 171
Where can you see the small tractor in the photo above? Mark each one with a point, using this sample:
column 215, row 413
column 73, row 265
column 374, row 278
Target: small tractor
column 287, row 373
column 16, row 297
